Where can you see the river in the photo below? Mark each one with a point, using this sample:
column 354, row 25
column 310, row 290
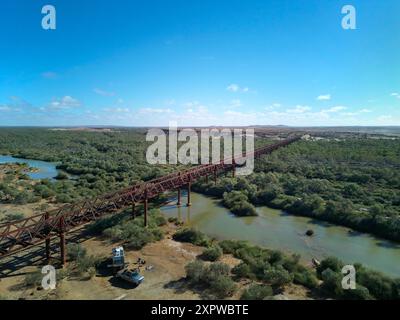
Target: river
column 276, row 229
column 273, row 229
column 46, row 170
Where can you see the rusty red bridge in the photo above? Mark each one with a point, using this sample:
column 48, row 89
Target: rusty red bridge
column 23, row 234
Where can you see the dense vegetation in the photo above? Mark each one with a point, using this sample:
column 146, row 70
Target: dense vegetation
column 213, row 280
column 272, row 270
column 355, row 183
column 97, row 161
column 123, row 229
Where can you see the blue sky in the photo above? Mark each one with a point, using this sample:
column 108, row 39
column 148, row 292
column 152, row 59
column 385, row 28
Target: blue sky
column 200, row 62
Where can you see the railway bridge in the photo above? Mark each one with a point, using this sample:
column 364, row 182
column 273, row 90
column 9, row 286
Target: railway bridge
column 23, row 234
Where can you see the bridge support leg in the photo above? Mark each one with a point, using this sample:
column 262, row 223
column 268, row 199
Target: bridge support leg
column 206, row 179
column 188, row 194
column 47, row 250
column 215, row 177
column 179, row 197
column 145, row 208
column 233, row 169
column 47, row 242
column 133, row 210
column 63, row 249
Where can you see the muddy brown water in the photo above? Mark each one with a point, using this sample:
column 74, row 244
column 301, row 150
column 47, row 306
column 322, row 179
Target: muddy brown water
column 276, row 229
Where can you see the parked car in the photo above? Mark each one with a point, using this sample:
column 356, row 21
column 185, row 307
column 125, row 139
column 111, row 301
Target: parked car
column 132, row 276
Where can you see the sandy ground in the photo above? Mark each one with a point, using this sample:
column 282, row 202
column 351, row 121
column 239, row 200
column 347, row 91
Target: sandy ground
column 164, row 281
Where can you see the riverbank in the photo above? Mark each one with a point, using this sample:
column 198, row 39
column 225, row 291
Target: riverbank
column 165, row 281
column 281, row 231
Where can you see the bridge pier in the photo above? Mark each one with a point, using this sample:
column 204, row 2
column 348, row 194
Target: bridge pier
column 206, row 179
column 145, row 207
column 188, row 192
column 63, row 249
column 134, row 210
column 48, row 246
column 47, row 241
column 179, row 197
column 233, row 168
column 215, row 176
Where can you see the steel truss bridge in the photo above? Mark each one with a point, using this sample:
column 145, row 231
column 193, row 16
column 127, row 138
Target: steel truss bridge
column 23, row 234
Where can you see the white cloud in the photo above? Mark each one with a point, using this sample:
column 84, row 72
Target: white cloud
column 273, row 106
column 5, row 108
column 395, row 94
column 65, row 102
column 236, row 88
column 117, row 110
column 233, row 87
column 299, row 109
column 334, row 109
column 323, row 97
column 154, row 110
column 103, row 92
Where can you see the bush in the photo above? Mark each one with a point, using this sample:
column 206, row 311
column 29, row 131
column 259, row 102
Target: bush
column 238, row 204
column 132, row 232
column 86, row 264
column 277, row 276
column 13, row 217
column 332, row 282
column 75, row 251
column 223, row 286
column 359, row 293
column 230, row 246
column 33, row 279
column 194, row 271
column 306, row 278
column 332, row 263
column 214, row 278
column 212, row 253
column 192, row 236
column 257, row 292
column 243, row 270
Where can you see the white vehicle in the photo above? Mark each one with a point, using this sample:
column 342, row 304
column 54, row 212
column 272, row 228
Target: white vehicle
column 132, row 276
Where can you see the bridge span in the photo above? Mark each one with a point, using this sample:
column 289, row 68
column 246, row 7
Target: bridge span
column 23, row 234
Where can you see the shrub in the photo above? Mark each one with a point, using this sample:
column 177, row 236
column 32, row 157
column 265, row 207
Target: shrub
column 243, row 270
column 359, row 293
column 33, row 279
column 223, row 286
column 230, row 246
column 160, row 220
column 257, row 292
column 238, row 204
column 75, row 251
column 194, row 271
column 13, row 216
column 214, row 278
column 277, row 276
column 332, row 263
column 212, row 253
column 306, row 278
column 332, row 282
column 86, row 263
column 380, row 286
column 192, row 236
